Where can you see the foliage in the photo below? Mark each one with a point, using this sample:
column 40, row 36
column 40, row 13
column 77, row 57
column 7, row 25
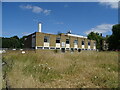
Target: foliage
column 98, row 38
column 114, row 39
column 12, row 42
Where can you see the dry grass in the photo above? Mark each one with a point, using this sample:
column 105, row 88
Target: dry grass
column 46, row 69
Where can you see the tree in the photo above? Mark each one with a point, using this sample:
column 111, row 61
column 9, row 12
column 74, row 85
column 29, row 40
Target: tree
column 15, row 37
column 114, row 39
column 98, row 38
column 22, row 41
column 12, row 42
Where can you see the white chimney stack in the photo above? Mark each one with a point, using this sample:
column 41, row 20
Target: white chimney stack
column 39, row 27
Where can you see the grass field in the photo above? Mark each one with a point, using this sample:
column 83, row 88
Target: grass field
column 47, row 69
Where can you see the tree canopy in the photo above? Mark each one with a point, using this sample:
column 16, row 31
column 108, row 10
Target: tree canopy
column 97, row 37
column 12, row 42
column 114, row 39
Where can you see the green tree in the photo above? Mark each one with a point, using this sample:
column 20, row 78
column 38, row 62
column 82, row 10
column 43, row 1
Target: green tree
column 22, row 41
column 12, row 42
column 114, row 39
column 98, row 38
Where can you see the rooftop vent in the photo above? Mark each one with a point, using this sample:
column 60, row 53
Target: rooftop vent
column 69, row 32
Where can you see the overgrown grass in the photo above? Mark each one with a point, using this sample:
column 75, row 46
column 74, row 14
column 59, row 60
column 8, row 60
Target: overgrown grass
column 46, row 69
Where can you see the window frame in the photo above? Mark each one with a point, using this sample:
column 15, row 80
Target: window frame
column 83, row 42
column 67, row 41
column 89, row 43
column 57, row 40
column 47, row 38
column 75, row 42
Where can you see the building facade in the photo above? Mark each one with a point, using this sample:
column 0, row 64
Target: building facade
column 68, row 41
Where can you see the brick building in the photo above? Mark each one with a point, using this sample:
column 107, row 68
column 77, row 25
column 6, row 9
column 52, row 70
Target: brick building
column 68, row 41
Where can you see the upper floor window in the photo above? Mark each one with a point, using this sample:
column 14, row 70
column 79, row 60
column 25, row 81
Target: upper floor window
column 83, row 43
column 67, row 41
column 57, row 40
column 46, row 39
column 89, row 43
column 76, row 42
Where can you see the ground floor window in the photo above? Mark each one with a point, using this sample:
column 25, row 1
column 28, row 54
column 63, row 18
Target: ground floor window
column 39, row 47
column 57, row 48
column 63, row 49
column 79, row 50
column 52, row 48
column 72, row 49
column 46, row 47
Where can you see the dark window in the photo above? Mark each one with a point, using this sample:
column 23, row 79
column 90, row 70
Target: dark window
column 72, row 49
column 79, row 50
column 94, row 43
column 67, row 41
column 52, row 48
column 63, row 49
column 57, row 48
column 76, row 42
column 75, row 48
column 82, row 42
column 67, row 48
column 57, row 40
column 39, row 47
column 89, row 43
column 46, row 47
column 46, row 39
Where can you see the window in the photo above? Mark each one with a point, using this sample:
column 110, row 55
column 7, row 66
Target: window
column 79, row 50
column 46, row 39
column 57, row 40
column 57, row 48
column 76, row 42
column 82, row 42
column 67, row 48
column 94, row 43
column 72, row 49
column 52, row 48
column 67, row 41
column 89, row 43
column 63, row 49
column 46, row 47
column 39, row 47
column 75, row 48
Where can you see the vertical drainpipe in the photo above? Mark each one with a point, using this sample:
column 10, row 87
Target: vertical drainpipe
column 35, row 41
column 77, row 44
